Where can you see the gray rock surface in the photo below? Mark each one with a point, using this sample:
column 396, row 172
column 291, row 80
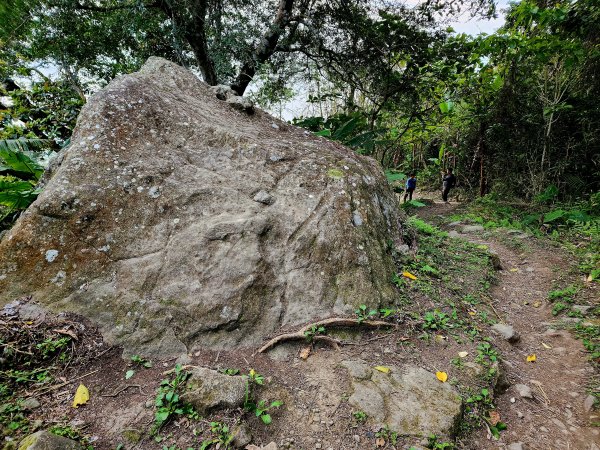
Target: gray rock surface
column 515, row 446
column 524, row 390
column 588, row 403
column 410, row 400
column 43, row 440
column 30, row 403
column 158, row 237
column 241, row 435
column 264, row 198
column 507, row 332
column 583, row 309
column 208, row 390
column 357, row 369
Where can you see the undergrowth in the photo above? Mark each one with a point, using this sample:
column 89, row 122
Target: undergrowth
column 573, row 226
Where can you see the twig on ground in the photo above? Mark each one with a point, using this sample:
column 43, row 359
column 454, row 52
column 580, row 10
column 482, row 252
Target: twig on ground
column 42, row 391
column 124, row 388
column 333, row 321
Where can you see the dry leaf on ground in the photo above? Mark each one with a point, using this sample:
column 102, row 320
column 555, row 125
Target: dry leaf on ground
column 494, row 417
column 380, row 442
column 305, row 352
column 531, row 358
column 409, row 275
column 383, row 369
column 462, row 354
column 442, row 376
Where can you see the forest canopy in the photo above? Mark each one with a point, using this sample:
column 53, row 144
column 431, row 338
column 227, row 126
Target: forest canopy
column 514, row 112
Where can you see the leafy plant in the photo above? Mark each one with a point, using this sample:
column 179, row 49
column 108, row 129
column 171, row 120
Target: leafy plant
column 230, row 372
column 312, row 332
column 260, row 409
column 558, row 308
column 138, row 360
column 435, row 321
column 49, row 347
column 434, row 443
column 388, row 435
column 364, row 314
column 223, row 436
column 167, row 401
column 486, row 354
column 360, row 416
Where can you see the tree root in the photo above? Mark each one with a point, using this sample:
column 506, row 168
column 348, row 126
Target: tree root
column 331, row 322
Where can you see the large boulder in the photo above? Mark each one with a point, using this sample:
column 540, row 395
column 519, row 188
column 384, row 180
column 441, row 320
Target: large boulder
column 175, row 220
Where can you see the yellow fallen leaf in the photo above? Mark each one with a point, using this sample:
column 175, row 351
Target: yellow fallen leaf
column 439, row 339
column 514, row 269
column 472, row 313
column 442, row 376
column 546, row 345
column 409, row 275
column 383, row 369
column 537, row 304
column 531, row 358
column 590, row 278
column 482, row 247
column 462, row 354
column 82, row 395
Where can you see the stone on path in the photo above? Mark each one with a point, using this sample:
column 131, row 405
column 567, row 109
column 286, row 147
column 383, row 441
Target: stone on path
column 506, row 331
column 515, row 446
column 588, row 403
column 410, row 400
column 524, row 390
column 208, row 390
column 44, row 440
column 472, row 228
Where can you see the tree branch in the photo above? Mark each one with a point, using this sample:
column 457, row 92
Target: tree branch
column 266, row 48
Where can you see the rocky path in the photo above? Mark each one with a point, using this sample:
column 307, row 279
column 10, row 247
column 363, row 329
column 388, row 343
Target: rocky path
column 546, row 405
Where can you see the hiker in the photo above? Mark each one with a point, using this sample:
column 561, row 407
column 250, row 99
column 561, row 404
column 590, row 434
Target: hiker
column 411, row 185
column 449, row 180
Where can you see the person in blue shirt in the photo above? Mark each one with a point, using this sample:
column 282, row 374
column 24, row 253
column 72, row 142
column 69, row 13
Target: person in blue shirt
column 411, row 185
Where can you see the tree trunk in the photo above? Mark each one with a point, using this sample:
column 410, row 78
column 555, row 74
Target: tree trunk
column 266, row 48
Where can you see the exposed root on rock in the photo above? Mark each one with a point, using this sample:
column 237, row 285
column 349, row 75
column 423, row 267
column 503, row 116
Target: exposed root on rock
column 331, row 322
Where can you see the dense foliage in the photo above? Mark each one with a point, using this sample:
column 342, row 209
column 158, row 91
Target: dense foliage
column 514, row 112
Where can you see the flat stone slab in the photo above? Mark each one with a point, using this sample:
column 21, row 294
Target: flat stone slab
column 472, row 228
column 410, row 400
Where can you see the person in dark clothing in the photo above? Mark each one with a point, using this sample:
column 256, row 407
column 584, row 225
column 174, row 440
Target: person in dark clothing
column 411, row 185
column 449, row 180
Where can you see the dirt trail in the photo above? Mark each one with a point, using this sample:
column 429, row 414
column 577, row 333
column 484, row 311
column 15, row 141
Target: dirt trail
column 555, row 418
